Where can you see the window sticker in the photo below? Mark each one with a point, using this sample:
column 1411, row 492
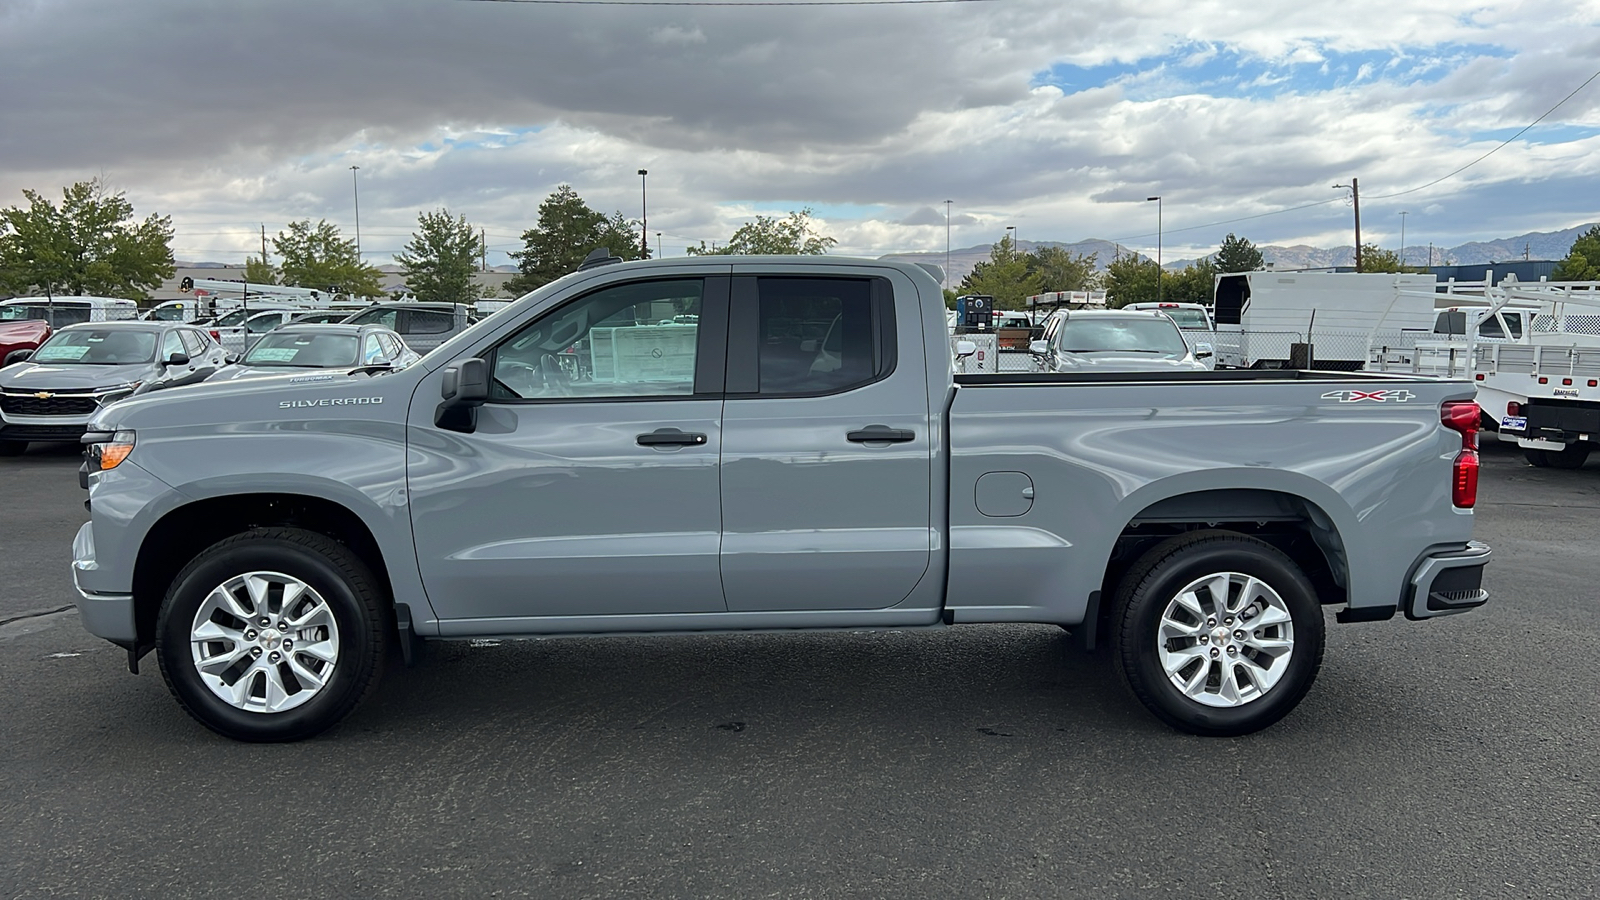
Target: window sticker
column 63, row 352
column 275, row 354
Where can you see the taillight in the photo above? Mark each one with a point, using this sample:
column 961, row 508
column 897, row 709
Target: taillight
column 1464, row 418
column 215, row 336
column 1464, row 480
column 1513, row 408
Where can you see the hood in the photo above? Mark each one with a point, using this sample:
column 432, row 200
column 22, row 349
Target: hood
column 71, row 377
column 1131, row 362
column 25, row 331
column 266, row 400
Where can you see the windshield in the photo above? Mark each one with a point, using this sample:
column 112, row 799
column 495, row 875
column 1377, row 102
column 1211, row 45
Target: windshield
column 98, row 347
column 379, row 316
column 1155, row 336
column 167, row 314
column 304, row 349
column 57, row 315
column 231, row 319
column 1189, row 318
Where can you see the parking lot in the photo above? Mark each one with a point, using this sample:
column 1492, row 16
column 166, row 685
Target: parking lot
column 1438, row 759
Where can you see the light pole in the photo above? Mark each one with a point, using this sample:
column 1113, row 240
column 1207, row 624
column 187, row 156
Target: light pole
column 947, row 243
column 658, row 245
column 1403, row 214
column 355, row 191
column 644, row 214
column 1013, row 230
column 1157, row 199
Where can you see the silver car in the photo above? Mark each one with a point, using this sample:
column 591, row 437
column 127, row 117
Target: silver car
column 51, row 393
column 1112, row 341
column 297, row 348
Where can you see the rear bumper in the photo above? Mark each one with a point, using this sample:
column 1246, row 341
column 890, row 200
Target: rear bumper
column 1447, row 582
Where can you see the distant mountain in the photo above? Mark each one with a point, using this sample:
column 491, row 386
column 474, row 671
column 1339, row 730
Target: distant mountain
column 1533, row 245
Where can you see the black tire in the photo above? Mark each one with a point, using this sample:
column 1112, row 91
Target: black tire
column 13, row 448
column 345, row 583
column 1572, row 456
column 1158, row 577
column 1539, row 459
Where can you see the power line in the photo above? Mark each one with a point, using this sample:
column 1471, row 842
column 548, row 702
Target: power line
column 1453, row 174
column 732, row 2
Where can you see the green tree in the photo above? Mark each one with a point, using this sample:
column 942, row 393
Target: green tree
column 1192, row 285
column 1583, row 259
column 1132, row 279
column 1061, row 270
column 1237, row 255
column 772, row 236
column 568, row 231
column 315, row 256
column 441, row 258
column 1376, row 259
column 1005, row 276
column 90, row 244
column 257, row 271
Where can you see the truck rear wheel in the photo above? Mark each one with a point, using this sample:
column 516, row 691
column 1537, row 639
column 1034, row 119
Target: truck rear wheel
column 1572, row 456
column 272, row 635
column 1217, row 633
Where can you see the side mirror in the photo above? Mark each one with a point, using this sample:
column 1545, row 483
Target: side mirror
column 178, row 359
column 17, row 356
column 965, row 349
column 1203, row 351
column 1039, row 348
column 230, row 358
column 465, row 387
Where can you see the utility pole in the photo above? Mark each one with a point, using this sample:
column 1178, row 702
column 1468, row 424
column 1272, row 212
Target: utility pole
column 1403, row 215
column 355, row 191
column 263, row 243
column 1355, row 200
column 483, row 249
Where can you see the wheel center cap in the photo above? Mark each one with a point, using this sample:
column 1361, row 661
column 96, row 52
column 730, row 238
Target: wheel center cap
column 270, row 637
column 1220, row 636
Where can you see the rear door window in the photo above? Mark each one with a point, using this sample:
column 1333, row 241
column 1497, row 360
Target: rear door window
column 427, row 321
column 818, row 336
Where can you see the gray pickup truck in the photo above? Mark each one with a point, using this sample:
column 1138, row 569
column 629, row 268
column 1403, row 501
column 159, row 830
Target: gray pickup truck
column 765, row 443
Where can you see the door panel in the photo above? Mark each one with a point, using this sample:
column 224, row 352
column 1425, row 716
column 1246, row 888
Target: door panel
column 811, row 519
column 588, row 484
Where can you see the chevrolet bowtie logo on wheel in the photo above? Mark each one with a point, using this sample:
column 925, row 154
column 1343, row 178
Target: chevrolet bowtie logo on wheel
column 1393, row 395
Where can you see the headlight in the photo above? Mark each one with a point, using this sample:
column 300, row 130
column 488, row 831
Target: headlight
column 109, row 454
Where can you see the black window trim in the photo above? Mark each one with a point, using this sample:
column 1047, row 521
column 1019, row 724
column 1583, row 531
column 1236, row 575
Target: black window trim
column 710, row 350
column 744, row 331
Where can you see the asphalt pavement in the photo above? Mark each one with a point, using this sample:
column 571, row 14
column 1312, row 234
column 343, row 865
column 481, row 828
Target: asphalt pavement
column 1453, row 758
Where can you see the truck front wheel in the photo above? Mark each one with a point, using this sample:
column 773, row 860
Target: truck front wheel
column 272, row 635
column 1217, row 633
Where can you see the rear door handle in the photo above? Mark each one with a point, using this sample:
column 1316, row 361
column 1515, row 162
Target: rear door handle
column 881, row 434
column 671, row 437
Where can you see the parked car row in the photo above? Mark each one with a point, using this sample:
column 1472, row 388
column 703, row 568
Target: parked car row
column 50, row 393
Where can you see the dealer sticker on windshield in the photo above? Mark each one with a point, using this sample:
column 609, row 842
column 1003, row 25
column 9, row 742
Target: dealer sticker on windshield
column 1514, row 423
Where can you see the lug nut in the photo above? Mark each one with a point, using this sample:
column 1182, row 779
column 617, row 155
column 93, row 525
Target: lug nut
column 256, row 651
column 1238, row 635
column 274, row 657
column 250, row 635
column 1232, row 650
column 287, row 643
column 1214, row 653
column 1228, row 621
column 1211, row 622
column 265, row 621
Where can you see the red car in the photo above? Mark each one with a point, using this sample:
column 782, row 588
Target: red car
column 26, row 334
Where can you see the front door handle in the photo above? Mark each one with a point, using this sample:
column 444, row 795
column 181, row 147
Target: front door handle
column 671, row 437
column 873, row 434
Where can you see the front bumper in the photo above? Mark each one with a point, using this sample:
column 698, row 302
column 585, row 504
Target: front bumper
column 1448, row 582
column 43, row 428
column 109, row 616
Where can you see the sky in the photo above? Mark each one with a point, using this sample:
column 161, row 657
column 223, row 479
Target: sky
column 1056, row 118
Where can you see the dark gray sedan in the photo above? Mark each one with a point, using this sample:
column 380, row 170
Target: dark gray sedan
column 297, row 348
column 50, row 393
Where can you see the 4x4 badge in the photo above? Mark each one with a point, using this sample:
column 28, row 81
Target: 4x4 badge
column 1391, row 395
